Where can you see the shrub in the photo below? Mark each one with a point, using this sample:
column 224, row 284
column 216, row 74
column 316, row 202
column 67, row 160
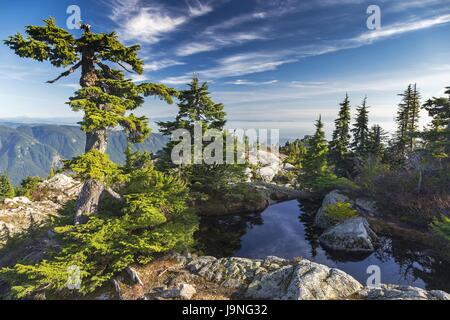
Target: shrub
column 28, row 186
column 368, row 170
column 330, row 182
column 397, row 195
column 441, row 230
column 212, row 181
column 153, row 220
column 441, row 227
column 6, row 188
column 340, row 212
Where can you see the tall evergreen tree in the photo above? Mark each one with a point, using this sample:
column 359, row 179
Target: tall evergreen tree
column 408, row 118
column 295, row 152
column 437, row 138
column 339, row 146
column 196, row 107
column 105, row 97
column 6, row 188
column 315, row 162
column 361, row 130
column 375, row 143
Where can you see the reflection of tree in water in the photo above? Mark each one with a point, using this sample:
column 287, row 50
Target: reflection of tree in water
column 221, row 236
column 418, row 262
column 311, row 232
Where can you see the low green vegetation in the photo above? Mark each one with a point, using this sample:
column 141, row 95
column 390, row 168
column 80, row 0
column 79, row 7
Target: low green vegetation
column 28, row 187
column 340, row 212
column 441, row 227
column 6, row 188
column 152, row 219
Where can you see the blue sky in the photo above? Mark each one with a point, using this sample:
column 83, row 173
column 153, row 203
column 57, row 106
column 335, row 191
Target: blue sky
column 273, row 63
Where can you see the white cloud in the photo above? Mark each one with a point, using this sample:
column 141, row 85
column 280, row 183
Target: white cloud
column 410, row 4
column 241, row 82
column 194, row 47
column 147, row 23
column 250, row 63
column 236, row 65
column 218, row 41
column 400, row 28
column 242, row 64
column 196, row 8
column 75, row 86
column 430, row 81
column 180, row 80
column 308, row 84
column 12, row 72
column 161, row 64
column 236, row 21
column 138, row 77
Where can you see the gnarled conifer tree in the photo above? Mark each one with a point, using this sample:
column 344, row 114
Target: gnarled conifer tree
column 105, row 97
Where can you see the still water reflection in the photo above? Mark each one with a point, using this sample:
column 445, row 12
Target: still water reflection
column 286, row 230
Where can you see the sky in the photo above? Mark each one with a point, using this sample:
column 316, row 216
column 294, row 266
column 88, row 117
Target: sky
column 272, row 63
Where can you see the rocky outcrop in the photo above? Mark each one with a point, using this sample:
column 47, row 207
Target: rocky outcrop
column 365, row 206
column 275, row 193
column 353, row 235
column 255, row 197
column 321, row 219
column 20, row 214
column 269, row 164
column 183, row 291
column 249, row 202
column 191, row 277
column 392, row 292
column 60, row 188
column 300, row 280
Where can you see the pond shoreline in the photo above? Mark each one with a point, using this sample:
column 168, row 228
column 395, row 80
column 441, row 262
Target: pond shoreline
column 286, row 230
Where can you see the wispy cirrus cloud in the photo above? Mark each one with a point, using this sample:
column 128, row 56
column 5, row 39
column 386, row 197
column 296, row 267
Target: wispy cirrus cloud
column 242, row 82
column 400, row 28
column 148, row 23
column 178, row 80
column 161, row 64
column 395, row 6
column 19, row 73
column 236, row 65
column 256, row 62
column 308, row 84
column 224, row 34
column 218, row 41
column 197, row 9
column 249, row 63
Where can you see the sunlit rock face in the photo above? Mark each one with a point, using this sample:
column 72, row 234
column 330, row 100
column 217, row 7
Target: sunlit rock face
column 269, row 278
column 20, row 214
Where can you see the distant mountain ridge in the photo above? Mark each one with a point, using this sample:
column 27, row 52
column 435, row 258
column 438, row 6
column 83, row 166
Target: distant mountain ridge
column 30, row 150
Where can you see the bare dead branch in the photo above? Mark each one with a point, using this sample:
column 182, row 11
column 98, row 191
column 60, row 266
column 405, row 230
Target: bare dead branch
column 128, row 70
column 114, row 194
column 66, row 73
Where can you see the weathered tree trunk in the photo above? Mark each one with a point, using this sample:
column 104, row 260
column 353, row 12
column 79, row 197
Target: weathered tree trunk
column 89, row 197
column 87, row 203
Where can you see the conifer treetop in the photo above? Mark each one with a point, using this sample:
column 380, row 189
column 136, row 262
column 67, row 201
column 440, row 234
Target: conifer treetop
column 106, row 95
